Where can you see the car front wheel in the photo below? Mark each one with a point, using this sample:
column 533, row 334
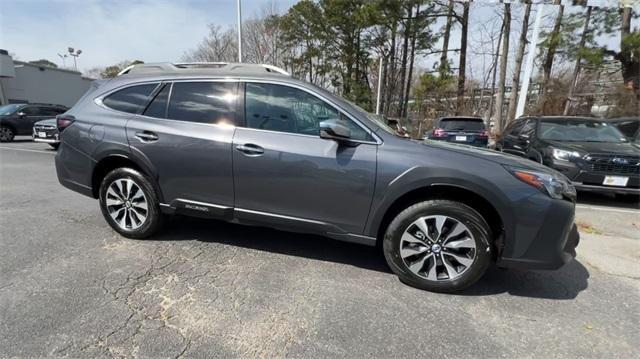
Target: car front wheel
column 438, row 245
column 129, row 203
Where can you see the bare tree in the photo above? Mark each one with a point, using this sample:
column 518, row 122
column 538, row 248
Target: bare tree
column 515, row 83
column 219, row 45
column 554, row 39
column 499, row 121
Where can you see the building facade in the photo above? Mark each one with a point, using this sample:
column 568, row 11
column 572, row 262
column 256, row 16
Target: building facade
column 22, row 82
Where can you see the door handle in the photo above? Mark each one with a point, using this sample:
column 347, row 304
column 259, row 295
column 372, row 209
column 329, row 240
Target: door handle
column 146, row 136
column 250, row 149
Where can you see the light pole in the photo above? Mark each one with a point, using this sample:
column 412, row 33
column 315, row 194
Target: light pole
column 64, row 59
column 74, row 53
column 239, row 32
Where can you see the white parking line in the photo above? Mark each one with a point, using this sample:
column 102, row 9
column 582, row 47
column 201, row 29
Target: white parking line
column 609, row 209
column 27, row 150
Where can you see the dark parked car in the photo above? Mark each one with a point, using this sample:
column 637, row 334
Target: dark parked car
column 18, row 119
column 629, row 126
column 464, row 130
column 47, row 131
column 590, row 152
column 250, row 144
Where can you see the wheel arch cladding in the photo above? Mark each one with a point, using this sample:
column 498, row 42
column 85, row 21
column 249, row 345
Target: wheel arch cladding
column 111, row 162
column 449, row 192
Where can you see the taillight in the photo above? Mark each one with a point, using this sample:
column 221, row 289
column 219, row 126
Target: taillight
column 64, row 121
column 438, row 132
column 484, row 133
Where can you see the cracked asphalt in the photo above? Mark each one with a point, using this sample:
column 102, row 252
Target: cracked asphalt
column 70, row 286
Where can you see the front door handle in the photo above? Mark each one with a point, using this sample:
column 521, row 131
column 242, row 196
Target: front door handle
column 146, row 136
column 250, row 149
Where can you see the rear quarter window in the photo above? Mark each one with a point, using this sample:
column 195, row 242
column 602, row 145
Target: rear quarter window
column 131, row 99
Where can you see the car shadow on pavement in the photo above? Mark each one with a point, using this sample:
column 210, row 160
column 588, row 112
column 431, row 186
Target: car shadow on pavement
column 562, row 284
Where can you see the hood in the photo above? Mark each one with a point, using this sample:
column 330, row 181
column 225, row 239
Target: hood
column 488, row 154
column 609, row 148
column 49, row 121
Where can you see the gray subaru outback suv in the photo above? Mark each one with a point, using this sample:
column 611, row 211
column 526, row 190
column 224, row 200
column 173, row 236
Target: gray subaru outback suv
column 252, row 145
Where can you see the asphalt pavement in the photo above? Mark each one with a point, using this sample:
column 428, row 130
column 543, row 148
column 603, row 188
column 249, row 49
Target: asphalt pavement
column 70, row 286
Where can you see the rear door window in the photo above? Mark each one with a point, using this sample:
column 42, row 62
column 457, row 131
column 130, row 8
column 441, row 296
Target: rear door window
column 131, row 99
column 203, row 102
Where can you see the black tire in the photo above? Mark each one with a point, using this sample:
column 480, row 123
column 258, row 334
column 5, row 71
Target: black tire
column 154, row 217
column 6, row 134
column 477, row 226
column 54, row 145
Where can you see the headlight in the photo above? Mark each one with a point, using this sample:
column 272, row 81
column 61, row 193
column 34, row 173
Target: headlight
column 564, row 155
column 555, row 185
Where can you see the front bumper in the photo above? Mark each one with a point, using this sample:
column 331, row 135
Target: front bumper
column 544, row 236
column 46, row 140
column 590, row 181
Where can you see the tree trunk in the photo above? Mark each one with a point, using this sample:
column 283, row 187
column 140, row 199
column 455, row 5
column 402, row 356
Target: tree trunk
column 390, row 83
column 515, row 83
column 499, row 122
column 405, row 102
column 462, row 68
column 405, row 55
column 444, row 61
column 630, row 63
column 495, row 72
column 576, row 68
column 551, row 52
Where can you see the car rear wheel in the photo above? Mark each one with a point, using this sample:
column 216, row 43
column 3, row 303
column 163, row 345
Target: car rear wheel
column 6, row 134
column 129, row 203
column 438, row 245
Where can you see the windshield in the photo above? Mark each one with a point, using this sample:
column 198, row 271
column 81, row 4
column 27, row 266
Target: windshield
column 576, row 130
column 462, row 124
column 9, row 109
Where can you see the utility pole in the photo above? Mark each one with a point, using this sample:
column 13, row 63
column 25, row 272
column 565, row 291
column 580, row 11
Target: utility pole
column 64, row 60
column 528, row 69
column 239, row 32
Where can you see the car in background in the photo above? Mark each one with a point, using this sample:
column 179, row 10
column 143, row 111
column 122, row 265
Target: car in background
column 18, row 119
column 591, row 152
column 464, row 130
column 47, row 131
column 629, row 126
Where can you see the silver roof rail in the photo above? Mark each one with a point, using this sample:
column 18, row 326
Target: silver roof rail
column 275, row 69
column 178, row 66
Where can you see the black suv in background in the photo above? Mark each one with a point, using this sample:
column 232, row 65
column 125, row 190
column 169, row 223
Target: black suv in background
column 463, row 130
column 250, row 144
column 18, row 119
column 629, row 126
column 591, row 152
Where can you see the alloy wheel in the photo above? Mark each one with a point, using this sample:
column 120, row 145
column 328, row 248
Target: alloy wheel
column 126, row 203
column 6, row 134
column 437, row 248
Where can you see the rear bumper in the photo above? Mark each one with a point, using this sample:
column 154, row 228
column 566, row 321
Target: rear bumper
column 476, row 142
column 545, row 236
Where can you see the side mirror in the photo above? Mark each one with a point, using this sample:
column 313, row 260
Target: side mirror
column 22, row 114
column 334, row 130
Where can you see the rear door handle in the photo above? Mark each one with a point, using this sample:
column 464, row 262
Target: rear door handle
column 146, row 136
column 250, row 149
